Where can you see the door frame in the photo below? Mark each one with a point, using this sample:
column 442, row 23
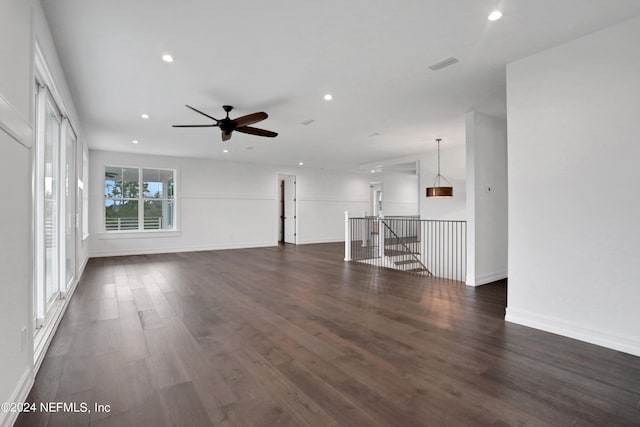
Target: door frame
column 279, row 177
column 374, row 189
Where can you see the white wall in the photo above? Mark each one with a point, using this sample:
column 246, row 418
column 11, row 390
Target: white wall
column 42, row 35
column 323, row 196
column 574, row 233
column 452, row 167
column 487, row 229
column 21, row 22
column 399, row 193
column 15, row 227
column 229, row 205
column 15, row 268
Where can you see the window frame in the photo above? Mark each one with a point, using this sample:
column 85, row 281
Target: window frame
column 140, row 199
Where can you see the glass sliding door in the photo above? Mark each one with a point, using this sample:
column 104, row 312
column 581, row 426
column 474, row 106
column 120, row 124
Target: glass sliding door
column 52, row 121
column 54, row 206
column 70, row 193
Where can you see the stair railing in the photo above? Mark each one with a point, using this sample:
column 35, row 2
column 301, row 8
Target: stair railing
column 433, row 248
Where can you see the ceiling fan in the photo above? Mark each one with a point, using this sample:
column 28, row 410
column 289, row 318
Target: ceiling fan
column 240, row 124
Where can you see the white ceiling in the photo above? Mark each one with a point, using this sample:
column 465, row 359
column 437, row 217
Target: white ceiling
column 282, row 56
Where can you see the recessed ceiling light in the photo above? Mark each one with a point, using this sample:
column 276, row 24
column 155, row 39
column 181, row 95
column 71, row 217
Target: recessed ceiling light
column 328, row 97
column 167, row 58
column 135, row 141
column 300, row 164
column 145, row 116
column 225, row 151
column 495, row 15
column 372, row 171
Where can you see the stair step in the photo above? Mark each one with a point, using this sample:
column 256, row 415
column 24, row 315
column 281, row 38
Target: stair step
column 418, row 270
column 408, row 261
column 400, row 245
column 408, row 267
column 394, row 252
column 400, row 240
column 411, row 246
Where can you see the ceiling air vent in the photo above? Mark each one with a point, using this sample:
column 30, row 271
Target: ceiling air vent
column 307, row 122
column 444, row 63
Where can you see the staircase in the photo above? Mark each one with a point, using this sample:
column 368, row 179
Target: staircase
column 403, row 252
column 433, row 248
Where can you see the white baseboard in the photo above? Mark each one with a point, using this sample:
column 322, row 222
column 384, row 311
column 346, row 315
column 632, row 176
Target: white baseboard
column 485, row 279
column 327, row 240
column 151, row 251
column 20, row 393
column 82, row 267
column 573, row 330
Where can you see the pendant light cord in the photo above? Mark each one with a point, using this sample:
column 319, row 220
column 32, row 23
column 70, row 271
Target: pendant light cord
column 439, row 155
column 436, row 182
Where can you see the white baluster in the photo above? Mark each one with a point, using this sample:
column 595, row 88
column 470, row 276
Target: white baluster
column 347, row 237
column 381, row 237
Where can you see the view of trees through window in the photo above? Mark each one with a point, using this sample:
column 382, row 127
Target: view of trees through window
column 139, row 198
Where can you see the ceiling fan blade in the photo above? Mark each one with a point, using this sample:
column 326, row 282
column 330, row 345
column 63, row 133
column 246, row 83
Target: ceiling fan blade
column 204, row 114
column 250, row 119
column 194, row 126
column 226, row 136
column 256, row 131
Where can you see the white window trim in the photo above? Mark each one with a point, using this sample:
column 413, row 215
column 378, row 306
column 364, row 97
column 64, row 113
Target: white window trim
column 139, row 233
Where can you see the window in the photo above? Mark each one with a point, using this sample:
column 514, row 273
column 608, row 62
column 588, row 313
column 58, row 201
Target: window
column 138, row 199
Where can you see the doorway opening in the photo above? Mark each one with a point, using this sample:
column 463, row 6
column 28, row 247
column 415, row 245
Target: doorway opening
column 281, row 212
column 375, row 198
column 287, row 219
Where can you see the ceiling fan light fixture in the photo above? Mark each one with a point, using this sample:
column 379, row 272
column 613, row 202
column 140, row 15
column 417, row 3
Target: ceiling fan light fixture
column 437, row 190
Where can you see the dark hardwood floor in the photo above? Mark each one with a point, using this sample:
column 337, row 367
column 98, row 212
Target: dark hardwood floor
column 292, row 335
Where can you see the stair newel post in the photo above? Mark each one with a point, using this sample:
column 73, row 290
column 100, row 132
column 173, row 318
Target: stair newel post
column 381, row 236
column 347, row 237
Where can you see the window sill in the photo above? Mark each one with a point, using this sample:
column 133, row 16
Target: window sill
column 138, row 234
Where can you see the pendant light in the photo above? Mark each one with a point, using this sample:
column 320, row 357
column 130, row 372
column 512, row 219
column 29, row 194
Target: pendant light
column 437, row 190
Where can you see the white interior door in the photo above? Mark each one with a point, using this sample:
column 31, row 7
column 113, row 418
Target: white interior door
column 290, row 209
